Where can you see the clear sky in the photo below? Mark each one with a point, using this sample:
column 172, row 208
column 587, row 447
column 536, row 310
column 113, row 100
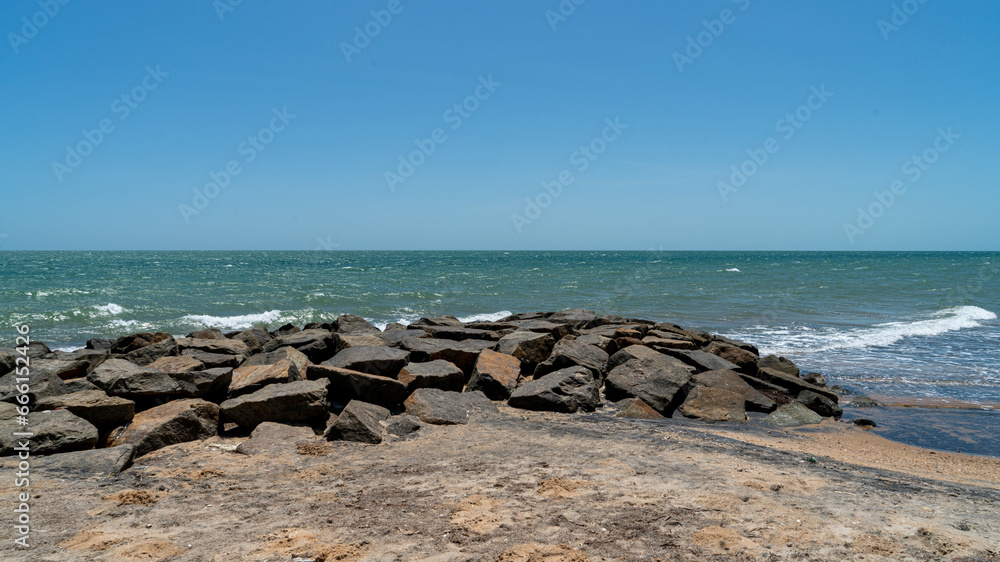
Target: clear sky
column 399, row 124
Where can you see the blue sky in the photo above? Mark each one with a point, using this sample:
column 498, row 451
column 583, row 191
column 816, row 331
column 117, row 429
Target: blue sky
column 309, row 115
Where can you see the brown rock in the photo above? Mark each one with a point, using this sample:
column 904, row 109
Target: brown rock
column 174, row 422
column 495, row 374
column 637, row 409
column 250, row 378
column 731, row 381
column 740, row 357
column 179, row 364
column 714, row 405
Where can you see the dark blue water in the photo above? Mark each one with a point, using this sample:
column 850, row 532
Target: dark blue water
column 912, row 324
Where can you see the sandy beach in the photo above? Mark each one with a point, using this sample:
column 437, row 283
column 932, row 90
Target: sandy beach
column 533, row 486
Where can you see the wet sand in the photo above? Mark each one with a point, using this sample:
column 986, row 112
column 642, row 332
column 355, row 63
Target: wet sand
column 534, row 486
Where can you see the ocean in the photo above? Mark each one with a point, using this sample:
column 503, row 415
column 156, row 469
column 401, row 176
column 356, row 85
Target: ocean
column 896, row 324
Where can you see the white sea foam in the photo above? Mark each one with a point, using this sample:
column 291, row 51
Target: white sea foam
column 240, row 322
column 733, row 269
column 799, row 340
column 111, row 308
column 488, row 317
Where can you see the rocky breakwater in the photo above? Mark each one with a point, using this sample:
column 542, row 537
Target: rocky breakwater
column 348, row 380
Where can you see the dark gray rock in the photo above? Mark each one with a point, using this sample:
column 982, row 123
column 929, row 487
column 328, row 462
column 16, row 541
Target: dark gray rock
column 445, row 320
column 219, row 347
column 402, row 425
column 62, row 369
column 150, row 353
column 658, row 382
column 353, row 325
column 396, row 338
column 179, row 364
column 132, row 342
column 793, row 384
column 175, row 422
column 101, row 344
column 702, row 361
column 383, row 361
column 291, row 403
column 568, row 390
column 92, row 357
column 737, row 343
column 78, row 385
column 80, row 465
column 820, row 404
column 345, row 341
column 359, row 422
column 41, row 385
column 862, row 401
column 554, row 329
column 778, row 364
column 814, row 378
column 531, row 348
column 459, row 333
column 746, row 361
column 275, row 439
column 576, row 317
column 441, row 407
column 434, row 374
column 731, row 381
column 317, row 344
column 7, row 362
column 568, row 353
column 285, row 330
column 604, row 343
column 212, row 360
column 636, row 352
column 462, row 353
column 211, row 384
column 347, row 385
column 793, row 414
column 122, row 378
column 208, row 334
column 53, row 431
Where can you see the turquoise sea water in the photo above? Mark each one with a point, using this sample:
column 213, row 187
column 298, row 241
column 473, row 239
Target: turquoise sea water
column 906, row 324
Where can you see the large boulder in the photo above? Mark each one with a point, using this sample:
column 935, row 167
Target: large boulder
column 604, row 343
column 359, row 422
column 441, row 407
column 462, row 353
column 381, row 360
column 100, row 410
column 659, row 382
column 92, row 357
column 171, row 423
column 793, row 414
column 213, row 360
column 179, row 364
column 793, row 384
column 122, row 378
column 711, row 405
column 667, row 343
column 778, row 364
column 737, row 343
column 294, row 402
column 81, row 465
column 569, row 353
column 635, row 408
column 41, row 385
column 731, row 381
column 255, row 338
column 150, row 353
column 495, row 374
column 62, row 369
column 280, row 366
column 132, row 342
column 211, row 384
column 568, row 390
column 52, row 431
column 636, row 352
column 745, row 360
column 208, row 334
column 531, row 348
column 576, row 317
column 820, row 404
column 554, row 329
column 222, row 347
column 434, row 374
column 702, row 361
column 344, row 341
column 354, row 325
column 317, row 344
column 347, row 385
column 275, row 439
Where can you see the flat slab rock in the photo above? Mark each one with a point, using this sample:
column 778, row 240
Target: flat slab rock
column 294, row 402
column 569, row 390
column 271, row 438
column 79, row 465
column 441, row 407
column 54, row 431
column 174, row 422
column 346, row 385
